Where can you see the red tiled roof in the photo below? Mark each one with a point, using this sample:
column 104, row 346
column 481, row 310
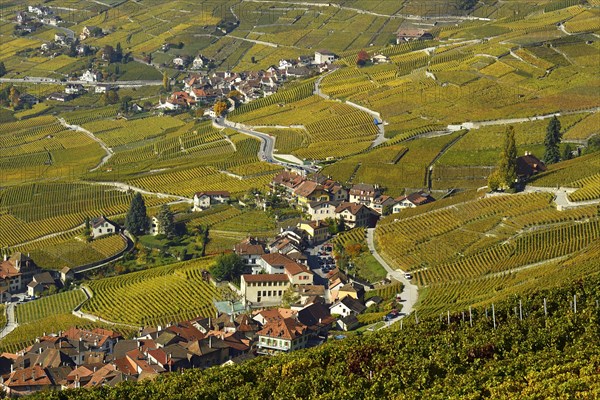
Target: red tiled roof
column 295, row 269
column 354, row 208
column 286, row 328
column 265, row 278
column 32, row 376
column 276, row 259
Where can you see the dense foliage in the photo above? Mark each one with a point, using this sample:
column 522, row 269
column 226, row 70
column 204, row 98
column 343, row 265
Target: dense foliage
column 227, row 267
column 137, row 220
column 557, row 356
column 552, row 142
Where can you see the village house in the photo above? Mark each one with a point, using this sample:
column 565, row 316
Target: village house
column 289, row 240
column 154, row 226
column 317, row 317
column 66, row 274
column 102, row 226
column 40, row 283
column 347, row 306
column 324, row 57
column 263, row 290
column 282, row 336
column 272, row 263
column 529, row 165
column 321, row 210
column 298, row 274
column 348, row 323
column 39, row 10
column 317, row 231
column 364, row 193
column 27, row 381
column 355, row 215
column 103, row 88
column 310, row 191
column 74, row 88
column 62, row 97
column 89, row 31
column 16, row 272
column 200, row 62
column 251, row 251
column 380, row 203
column 288, row 181
column 380, row 59
column 203, row 200
column 412, row 200
column 91, row 76
column 404, row 35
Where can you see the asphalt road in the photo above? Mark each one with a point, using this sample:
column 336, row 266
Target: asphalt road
column 410, row 293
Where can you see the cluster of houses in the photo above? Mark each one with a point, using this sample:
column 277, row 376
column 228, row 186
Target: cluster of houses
column 325, row 199
column 204, row 88
column 19, row 274
column 35, row 16
column 79, row 358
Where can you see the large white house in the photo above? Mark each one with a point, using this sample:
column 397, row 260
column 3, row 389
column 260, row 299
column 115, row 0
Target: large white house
column 321, row 210
column 90, row 76
column 263, row 290
column 203, row 200
column 282, row 336
column 324, row 57
column 103, row 226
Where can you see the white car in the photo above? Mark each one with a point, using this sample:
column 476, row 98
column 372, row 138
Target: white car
column 407, row 276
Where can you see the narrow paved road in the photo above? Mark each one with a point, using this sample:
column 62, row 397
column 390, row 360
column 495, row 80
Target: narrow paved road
column 267, row 143
column 11, row 322
column 561, row 196
column 410, row 293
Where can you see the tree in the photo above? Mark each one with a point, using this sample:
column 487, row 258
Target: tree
column 552, row 142
column 289, row 297
column 166, row 82
column 118, row 55
column 227, row 267
column 2, row 69
column 387, row 210
column 567, row 153
column 363, row 56
column 341, row 224
column 14, row 97
column 108, row 53
column 137, row 221
column 505, row 175
column 87, row 231
column 166, row 221
column 220, row 108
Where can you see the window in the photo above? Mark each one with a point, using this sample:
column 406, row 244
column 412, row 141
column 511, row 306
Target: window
column 269, row 293
column 280, row 293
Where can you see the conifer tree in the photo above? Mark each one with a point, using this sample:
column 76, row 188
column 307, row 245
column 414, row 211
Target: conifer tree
column 137, row 221
column 166, row 221
column 505, row 175
column 552, row 141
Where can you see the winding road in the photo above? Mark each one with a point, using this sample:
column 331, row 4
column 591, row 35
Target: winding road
column 410, row 292
column 11, row 322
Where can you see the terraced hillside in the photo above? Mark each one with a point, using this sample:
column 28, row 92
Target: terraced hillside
column 472, row 252
column 139, row 298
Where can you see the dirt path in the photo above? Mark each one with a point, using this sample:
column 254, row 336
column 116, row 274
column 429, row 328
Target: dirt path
column 109, row 152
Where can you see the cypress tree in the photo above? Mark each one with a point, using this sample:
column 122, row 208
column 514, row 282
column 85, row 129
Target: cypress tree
column 552, row 141
column 505, row 175
column 137, row 221
column 166, row 221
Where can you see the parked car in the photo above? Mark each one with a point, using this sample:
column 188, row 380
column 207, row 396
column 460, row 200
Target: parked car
column 391, row 315
column 408, row 276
